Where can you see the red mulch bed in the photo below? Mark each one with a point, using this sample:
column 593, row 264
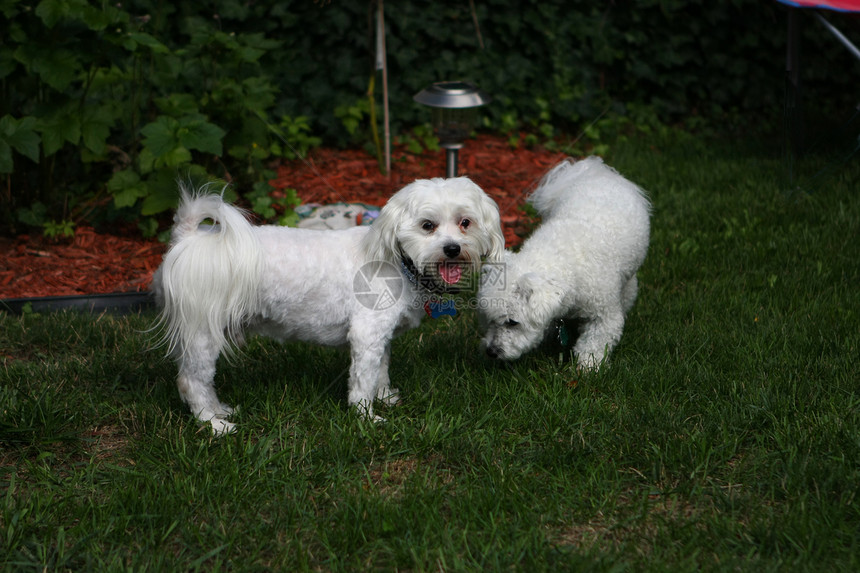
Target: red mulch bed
column 96, row 263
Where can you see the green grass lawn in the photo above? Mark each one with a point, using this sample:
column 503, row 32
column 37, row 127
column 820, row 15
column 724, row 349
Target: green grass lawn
column 724, row 435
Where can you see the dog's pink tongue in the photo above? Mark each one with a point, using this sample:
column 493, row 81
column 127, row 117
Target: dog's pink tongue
column 450, row 273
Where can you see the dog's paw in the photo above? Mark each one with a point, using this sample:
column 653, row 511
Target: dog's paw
column 389, row 396
column 366, row 413
column 585, row 364
column 221, row 427
column 225, row 410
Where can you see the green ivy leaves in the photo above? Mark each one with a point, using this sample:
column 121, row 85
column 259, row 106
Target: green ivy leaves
column 55, row 67
column 168, row 141
column 20, row 135
column 53, row 11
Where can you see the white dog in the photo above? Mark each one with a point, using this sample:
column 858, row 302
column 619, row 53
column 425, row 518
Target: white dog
column 581, row 263
column 359, row 286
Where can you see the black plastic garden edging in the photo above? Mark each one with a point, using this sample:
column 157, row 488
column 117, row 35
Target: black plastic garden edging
column 115, row 303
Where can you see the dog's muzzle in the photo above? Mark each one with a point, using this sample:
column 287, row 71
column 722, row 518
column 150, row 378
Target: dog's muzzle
column 429, row 283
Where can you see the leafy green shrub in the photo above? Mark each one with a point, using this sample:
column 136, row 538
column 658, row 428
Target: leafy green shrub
column 103, row 106
column 91, row 93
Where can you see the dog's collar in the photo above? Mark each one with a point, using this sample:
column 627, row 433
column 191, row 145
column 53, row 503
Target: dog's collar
column 418, row 280
column 433, row 306
column 407, row 267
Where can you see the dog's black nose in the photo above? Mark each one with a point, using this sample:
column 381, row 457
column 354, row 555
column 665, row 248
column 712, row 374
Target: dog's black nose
column 492, row 352
column 451, row 250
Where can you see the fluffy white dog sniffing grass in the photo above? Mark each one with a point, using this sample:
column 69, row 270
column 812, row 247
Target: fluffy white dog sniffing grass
column 580, row 263
column 358, row 287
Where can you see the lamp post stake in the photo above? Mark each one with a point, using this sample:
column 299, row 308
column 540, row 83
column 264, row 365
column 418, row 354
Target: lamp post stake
column 454, row 111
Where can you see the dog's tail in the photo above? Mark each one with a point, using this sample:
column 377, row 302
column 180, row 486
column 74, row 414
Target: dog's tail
column 208, row 280
column 557, row 183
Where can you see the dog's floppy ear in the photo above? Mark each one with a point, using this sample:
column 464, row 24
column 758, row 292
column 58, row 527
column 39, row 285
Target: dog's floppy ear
column 494, row 247
column 380, row 244
column 541, row 295
column 524, row 286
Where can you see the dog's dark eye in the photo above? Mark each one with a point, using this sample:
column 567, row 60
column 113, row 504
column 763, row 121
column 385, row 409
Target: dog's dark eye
column 465, row 223
column 428, row 226
column 511, row 322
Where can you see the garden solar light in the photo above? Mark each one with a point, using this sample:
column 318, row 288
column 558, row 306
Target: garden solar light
column 454, row 107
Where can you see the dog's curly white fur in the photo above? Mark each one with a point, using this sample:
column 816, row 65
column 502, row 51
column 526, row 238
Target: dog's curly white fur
column 218, row 282
column 581, row 262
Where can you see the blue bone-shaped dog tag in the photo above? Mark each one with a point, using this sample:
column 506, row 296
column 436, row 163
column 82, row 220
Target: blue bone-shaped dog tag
column 437, row 307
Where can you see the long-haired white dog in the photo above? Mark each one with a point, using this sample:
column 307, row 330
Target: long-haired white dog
column 580, row 263
column 357, row 287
